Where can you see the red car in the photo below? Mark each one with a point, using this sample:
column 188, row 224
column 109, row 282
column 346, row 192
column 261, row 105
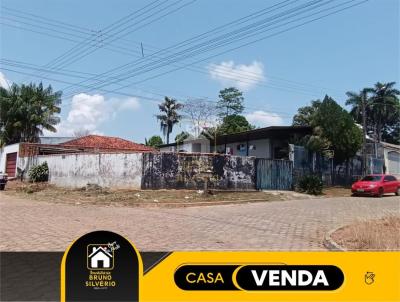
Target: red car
column 376, row 185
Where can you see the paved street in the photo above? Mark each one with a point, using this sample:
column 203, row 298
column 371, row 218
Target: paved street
column 27, row 225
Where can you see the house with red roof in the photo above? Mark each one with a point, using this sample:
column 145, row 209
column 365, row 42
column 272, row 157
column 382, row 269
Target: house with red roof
column 12, row 156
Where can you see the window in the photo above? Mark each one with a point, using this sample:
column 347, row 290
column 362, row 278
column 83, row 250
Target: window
column 372, row 178
column 390, row 178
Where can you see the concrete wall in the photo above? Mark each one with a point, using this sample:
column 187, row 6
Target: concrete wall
column 182, row 171
column 3, row 153
column 116, row 170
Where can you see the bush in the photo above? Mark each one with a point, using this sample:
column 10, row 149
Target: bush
column 310, row 184
column 39, row 173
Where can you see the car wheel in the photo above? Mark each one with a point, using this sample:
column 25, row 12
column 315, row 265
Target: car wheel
column 2, row 186
column 398, row 191
column 380, row 192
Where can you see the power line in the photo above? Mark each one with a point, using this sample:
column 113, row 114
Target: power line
column 78, row 56
column 251, row 42
column 158, row 100
column 227, row 73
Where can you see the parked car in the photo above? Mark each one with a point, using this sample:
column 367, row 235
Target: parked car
column 376, row 185
column 3, row 181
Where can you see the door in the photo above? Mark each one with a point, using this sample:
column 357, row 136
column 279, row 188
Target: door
column 389, row 184
column 11, row 164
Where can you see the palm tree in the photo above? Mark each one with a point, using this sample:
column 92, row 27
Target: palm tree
column 27, row 110
column 169, row 115
column 385, row 106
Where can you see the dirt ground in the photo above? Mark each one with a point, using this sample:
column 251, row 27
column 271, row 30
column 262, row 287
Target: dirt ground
column 380, row 234
column 170, row 198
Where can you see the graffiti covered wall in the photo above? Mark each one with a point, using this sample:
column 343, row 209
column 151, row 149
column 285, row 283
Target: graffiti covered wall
column 188, row 171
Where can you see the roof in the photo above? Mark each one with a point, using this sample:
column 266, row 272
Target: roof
column 392, row 146
column 259, row 133
column 96, row 251
column 105, row 143
column 51, row 140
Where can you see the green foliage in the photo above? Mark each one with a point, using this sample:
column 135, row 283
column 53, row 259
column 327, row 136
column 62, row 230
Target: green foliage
column 306, row 114
column 169, row 115
column 333, row 129
column 382, row 108
column 39, row 173
column 310, row 184
column 26, row 110
column 230, row 102
column 234, row 124
column 179, row 138
column 155, row 141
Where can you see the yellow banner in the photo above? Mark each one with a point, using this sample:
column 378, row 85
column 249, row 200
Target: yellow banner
column 274, row 276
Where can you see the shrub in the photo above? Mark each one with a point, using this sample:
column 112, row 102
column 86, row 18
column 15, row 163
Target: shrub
column 39, row 173
column 310, row 184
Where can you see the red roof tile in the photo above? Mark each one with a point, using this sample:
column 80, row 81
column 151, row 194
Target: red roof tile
column 106, row 143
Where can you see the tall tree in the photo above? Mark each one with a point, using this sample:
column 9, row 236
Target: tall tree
column 179, row 138
column 333, row 129
column 200, row 113
column 27, row 110
column 306, row 114
column 234, row 123
column 155, row 141
column 385, row 108
column 382, row 110
column 230, row 102
column 169, row 115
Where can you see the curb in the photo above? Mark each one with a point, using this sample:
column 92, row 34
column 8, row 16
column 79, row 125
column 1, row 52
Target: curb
column 330, row 244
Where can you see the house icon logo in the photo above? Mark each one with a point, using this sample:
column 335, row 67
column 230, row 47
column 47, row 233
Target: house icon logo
column 100, row 257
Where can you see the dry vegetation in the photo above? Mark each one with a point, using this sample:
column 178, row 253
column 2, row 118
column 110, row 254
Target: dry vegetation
column 337, row 192
column 103, row 196
column 381, row 234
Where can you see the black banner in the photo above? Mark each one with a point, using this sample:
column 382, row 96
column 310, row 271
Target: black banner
column 101, row 266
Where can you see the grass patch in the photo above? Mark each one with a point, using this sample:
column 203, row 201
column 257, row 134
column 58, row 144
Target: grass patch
column 379, row 234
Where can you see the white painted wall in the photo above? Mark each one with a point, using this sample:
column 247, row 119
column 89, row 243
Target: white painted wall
column 188, row 146
column 3, row 153
column 262, row 148
column 116, row 170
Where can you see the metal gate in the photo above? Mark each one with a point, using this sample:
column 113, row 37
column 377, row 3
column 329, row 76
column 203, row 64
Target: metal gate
column 274, row 174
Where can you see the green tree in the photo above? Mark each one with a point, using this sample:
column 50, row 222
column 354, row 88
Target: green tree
column 155, row 141
column 230, row 102
column 179, row 138
column 385, row 110
column 233, row 124
column 333, row 129
column 27, row 110
column 306, row 114
column 169, row 115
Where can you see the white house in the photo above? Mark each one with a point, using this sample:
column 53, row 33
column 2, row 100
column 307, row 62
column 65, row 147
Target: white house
column 392, row 158
column 9, row 154
column 270, row 142
column 100, row 258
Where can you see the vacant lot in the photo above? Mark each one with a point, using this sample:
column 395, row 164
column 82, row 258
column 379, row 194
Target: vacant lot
column 170, row 198
column 379, row 234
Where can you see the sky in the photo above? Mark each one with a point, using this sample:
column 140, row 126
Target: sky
column 76, row 47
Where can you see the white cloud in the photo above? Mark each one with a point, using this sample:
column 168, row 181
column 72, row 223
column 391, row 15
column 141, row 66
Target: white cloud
column 241, row 76
column 128, row 104
column 4, row 82
column 264, row 119
column 89, row 112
